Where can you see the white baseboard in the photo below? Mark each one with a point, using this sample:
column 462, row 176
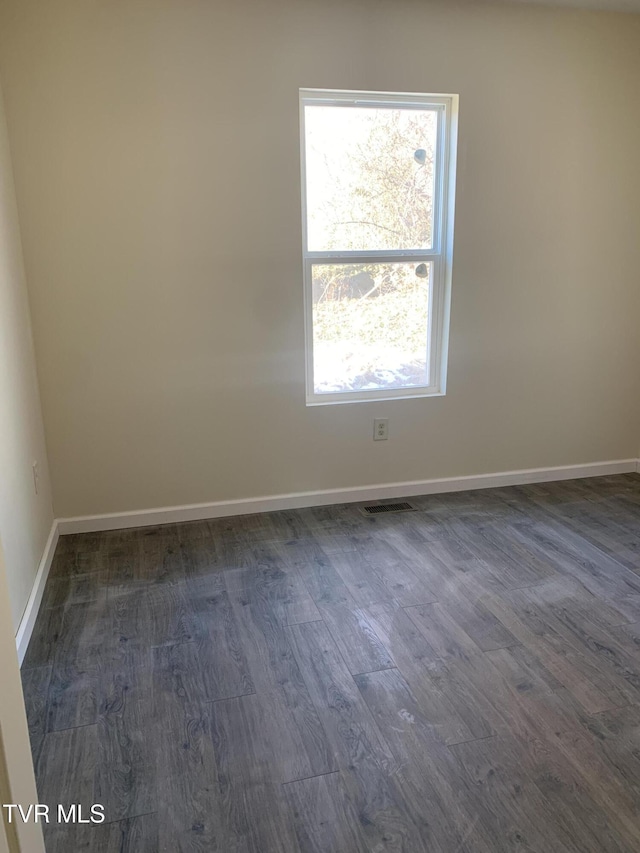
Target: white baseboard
column 25, row 628
column 296, row 500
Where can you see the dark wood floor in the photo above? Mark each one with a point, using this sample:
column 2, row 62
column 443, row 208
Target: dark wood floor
column 465, row 677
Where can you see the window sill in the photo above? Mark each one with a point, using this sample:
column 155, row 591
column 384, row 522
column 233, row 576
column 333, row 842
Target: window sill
column 341, row 399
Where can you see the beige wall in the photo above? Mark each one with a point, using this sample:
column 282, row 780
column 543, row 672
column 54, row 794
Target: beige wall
column 156, row 157
column 25, row 518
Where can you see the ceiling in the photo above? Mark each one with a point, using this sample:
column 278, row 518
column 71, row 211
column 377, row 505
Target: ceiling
column 607, row 5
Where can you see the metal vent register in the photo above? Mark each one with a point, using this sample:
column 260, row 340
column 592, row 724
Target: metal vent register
column 374, row 509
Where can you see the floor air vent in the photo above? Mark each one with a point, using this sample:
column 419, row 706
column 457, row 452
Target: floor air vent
column 374, row 509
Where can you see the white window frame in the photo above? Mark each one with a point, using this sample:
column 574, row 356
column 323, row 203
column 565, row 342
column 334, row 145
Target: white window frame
column 440, row 255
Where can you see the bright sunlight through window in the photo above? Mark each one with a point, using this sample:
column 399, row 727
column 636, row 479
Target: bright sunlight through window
column 378, row 177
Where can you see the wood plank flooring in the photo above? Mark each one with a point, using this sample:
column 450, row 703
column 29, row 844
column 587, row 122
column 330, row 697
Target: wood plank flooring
column 464, row 678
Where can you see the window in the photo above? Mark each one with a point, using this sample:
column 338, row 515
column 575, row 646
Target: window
column 378, row 172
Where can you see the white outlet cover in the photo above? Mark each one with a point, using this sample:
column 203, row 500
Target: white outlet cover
column 380, row 429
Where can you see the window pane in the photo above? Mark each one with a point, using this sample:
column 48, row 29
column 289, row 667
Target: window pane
column 369, row 175
column 370, row 326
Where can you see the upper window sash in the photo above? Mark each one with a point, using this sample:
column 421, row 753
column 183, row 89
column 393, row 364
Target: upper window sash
column 440, row 105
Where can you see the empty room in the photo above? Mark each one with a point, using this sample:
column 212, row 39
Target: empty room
column 319, row 426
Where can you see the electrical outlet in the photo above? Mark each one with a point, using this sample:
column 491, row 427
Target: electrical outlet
column 380, row 429
column 36, row 476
